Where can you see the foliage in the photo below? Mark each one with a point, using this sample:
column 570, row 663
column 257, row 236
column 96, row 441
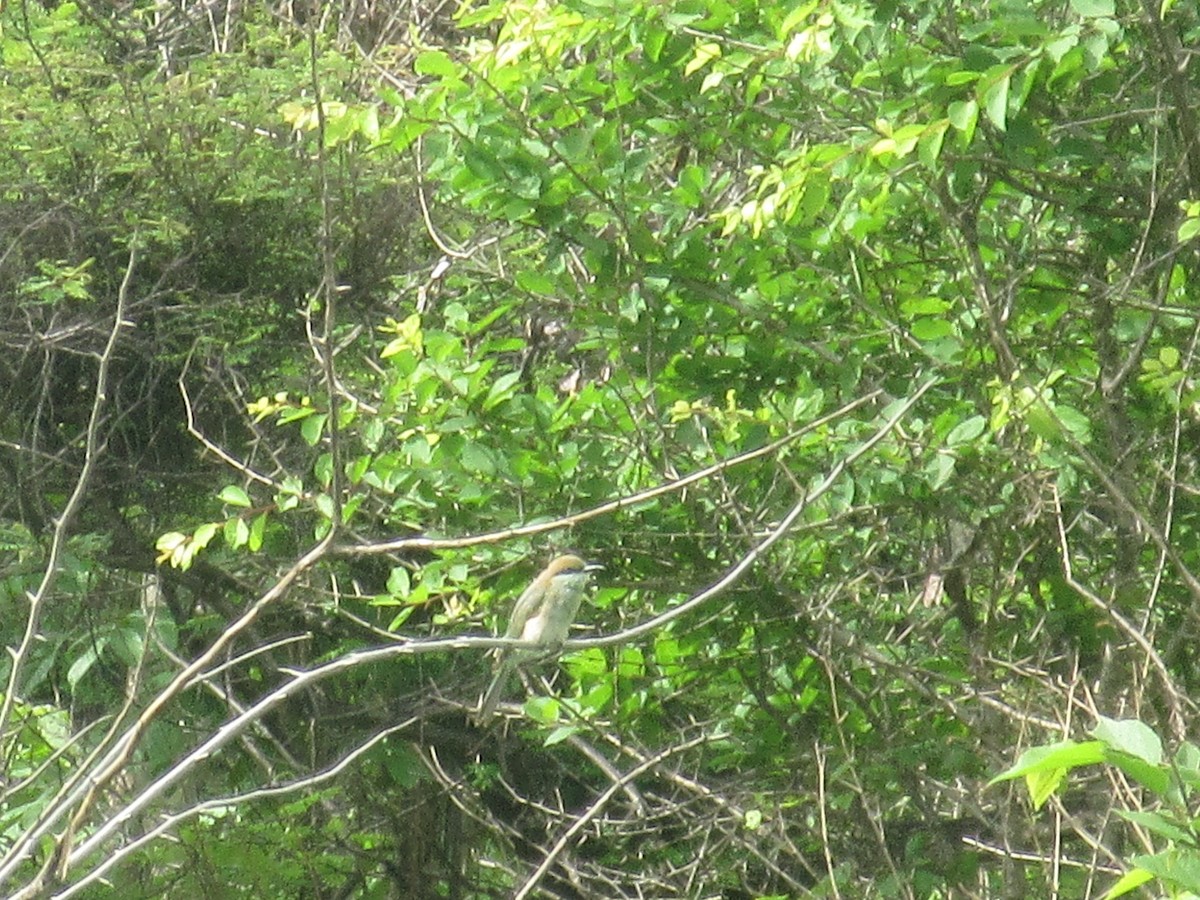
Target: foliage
column 857, row 340
column 1134, row 749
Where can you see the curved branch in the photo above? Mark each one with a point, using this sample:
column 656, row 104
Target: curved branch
column 496, row 537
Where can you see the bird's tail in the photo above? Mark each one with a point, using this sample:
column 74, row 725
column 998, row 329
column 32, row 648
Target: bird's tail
column 491, row 700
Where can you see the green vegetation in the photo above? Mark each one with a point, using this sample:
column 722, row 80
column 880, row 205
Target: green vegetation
column 855, row 339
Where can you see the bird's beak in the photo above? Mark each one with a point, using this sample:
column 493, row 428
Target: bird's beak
column 593, row 567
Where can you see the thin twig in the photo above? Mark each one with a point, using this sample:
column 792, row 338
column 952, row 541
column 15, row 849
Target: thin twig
column 93, row 446
column 496, row 537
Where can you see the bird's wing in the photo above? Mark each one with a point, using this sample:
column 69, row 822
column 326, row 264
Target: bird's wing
column 524, row 608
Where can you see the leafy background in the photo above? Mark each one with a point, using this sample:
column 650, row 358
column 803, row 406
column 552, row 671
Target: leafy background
column 328, row 325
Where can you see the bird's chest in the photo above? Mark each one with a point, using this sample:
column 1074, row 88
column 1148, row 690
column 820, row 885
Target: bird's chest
column 535, row 628
column 551, row 624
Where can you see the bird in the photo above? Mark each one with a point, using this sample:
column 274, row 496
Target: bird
column 542, row 615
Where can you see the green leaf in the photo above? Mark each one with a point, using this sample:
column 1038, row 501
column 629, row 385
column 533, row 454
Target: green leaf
column 1041, row 422
column 1130, row 881
column 543, row 709
column 1179, row 867
column 929, row 329
column 295, row 414
column 961, row 77
column 966, row 431
column 704, row 54
column 1130, row 736
column 929, row 147
column 1187, row 766
column 560, row 734
column 1094, row 9
column 257, row 528
column 992, row 93
column 1157, row 823
column 653, row 43
column 963, row 115
column 939, row 470
column 234, row 495
column 1079, row 425
column 1154, row 777
column 1057, row 48
column 84, row 662
column 400, row 618
column 237, row 532
column 536, row 283
column 924, row 306
column 1042, row 785
column 502, row 389
column 435, row 62
column 204, row 535
column 478, row 458
column 399, row 583
column 1064, row 755
column 128, row 643
column 312, row 428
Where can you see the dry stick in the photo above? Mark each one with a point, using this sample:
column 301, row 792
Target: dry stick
column 1156, row 534
column 495, row 537
column 1173, row 65
column 1094, row 465
column 73, row 783
column 216, row 449
column 594, row 810
column 1175, row 698
column 322, row 345
column 785, row 525
column 768, row 860
column 237, row 725
column 118, row 723
column 92, row 447
column 81, row 768
column 819, row 756
column 36, row 775
column 601, row 762
column 734, row 810
column 1012, row 370
column 1040, row 858
column 279, row 790
column 207, row 680
column 236, row 661
column 113, row 761
column 1174, row 485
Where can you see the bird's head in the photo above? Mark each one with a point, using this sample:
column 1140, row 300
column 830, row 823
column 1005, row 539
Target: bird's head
column 569, row 568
